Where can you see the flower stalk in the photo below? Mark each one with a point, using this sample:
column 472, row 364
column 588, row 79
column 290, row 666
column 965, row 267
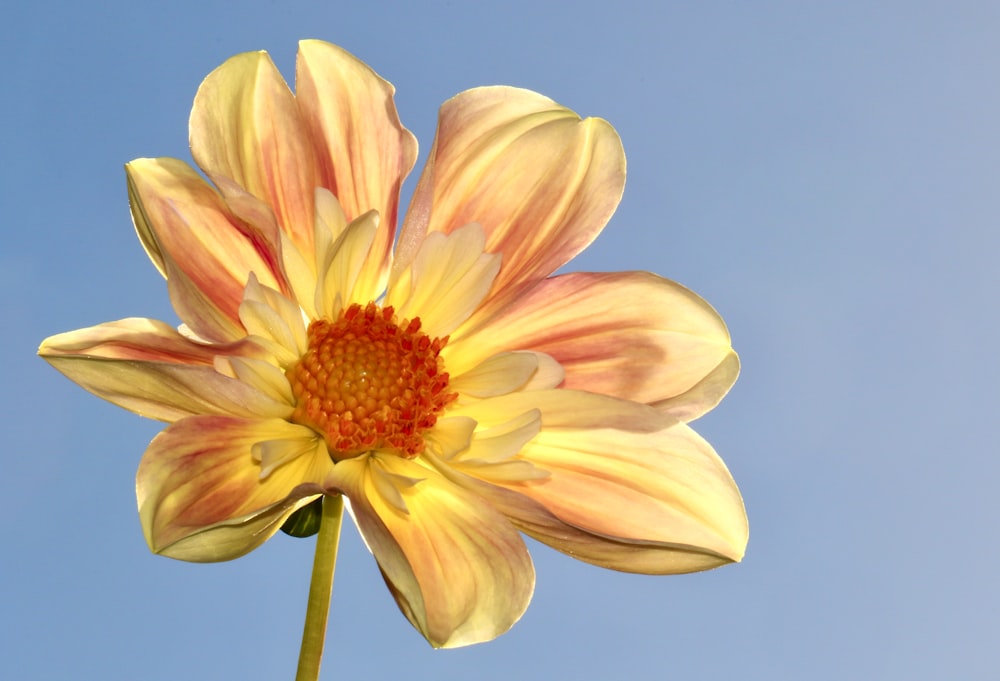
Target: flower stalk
column 320, row 589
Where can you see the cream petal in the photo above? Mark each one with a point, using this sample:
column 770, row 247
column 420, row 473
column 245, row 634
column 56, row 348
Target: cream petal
column 349, row 111
column 269, row 316
column 633, row 477
column 450, row 435
column 540, row 181
column 503, row 441
column 245, row 126
column 704, row 395
column 194, row 239
column 338, row 277
column 497, row 375
column 263, row 375
column 296, row 442
column 626, row 334
column 458, row 570
column 200, row 493
column 491, row 454
column 447, row 280
column 147, row 367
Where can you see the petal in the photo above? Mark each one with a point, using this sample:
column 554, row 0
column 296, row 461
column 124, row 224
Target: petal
column 147, row 367
column 498, row 375
column 632, row 335
column 203, row 249
column 621, row 475
column 458, row 570
column 274, row 320
column 540, row 181
column 263, row 375
column 447, row 280
column 363, row 151
column 339, row 276
column 246, row 127
column 200, row 492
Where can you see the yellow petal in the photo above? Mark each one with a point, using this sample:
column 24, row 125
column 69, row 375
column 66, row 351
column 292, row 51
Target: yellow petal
column 540, row 181
column 620, row 474
column 339, row 276
column 245, row 126
column 147, row 367
column 458, row 569
column 447, row 280
column 497, row 375
column 274, row 320
column 363, row 151
column 193, row 238
column 632, row 335
column 200, row 493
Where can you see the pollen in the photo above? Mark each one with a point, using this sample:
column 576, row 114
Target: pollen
column 369, row 381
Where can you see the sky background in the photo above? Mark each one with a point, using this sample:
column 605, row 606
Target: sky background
column 827, row 175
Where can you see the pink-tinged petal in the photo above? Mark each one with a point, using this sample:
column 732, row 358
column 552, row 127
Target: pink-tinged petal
column 246, row 127
column 540, row 181
column 203, row 249
column 458, row 569
column 621, row 475
column 363, row 151
column 147, row 367
column 200, row 492
column 633, row 335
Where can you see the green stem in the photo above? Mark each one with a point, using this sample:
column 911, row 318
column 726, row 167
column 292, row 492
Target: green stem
column 320, row 588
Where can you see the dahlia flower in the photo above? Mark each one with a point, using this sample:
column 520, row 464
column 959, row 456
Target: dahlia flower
column 452, row 389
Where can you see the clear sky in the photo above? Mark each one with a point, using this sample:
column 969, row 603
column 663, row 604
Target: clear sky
column 827, row 175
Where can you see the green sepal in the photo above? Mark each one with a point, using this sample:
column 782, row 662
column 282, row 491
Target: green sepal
column 305, row 521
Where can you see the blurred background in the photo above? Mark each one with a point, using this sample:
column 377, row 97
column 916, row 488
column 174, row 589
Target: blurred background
column 827, row 175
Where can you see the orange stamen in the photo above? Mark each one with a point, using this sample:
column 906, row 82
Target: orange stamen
column 369, row 382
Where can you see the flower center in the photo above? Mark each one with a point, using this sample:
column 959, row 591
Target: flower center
column 367, row 382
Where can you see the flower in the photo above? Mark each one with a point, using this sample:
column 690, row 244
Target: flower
column 452, row 389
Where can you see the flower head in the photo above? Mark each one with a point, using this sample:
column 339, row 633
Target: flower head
column 452, row 389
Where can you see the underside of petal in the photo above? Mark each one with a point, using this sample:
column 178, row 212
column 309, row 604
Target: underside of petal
column 147, row 367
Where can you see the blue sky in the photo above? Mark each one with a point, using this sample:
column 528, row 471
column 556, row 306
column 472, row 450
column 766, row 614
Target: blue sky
column 827, row 175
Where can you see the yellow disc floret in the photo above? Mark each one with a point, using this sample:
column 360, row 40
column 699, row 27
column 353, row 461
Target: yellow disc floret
column 370, row 382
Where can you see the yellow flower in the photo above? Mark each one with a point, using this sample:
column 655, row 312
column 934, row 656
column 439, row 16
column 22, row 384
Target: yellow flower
column 453, row 390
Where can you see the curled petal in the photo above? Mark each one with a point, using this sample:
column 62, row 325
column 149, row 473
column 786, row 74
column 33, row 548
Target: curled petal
column 632, row 335
column 349, row 112
column 451, row 435
column 458, row 570
column 147, row 367
column 246, row 127
column 340, row 273
column 635, row 477
column 194, row 239
column 274, row 320
column 263, row 375
column 540, row 181
column 200, row 492
column 704, row 395
column 498, row 375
